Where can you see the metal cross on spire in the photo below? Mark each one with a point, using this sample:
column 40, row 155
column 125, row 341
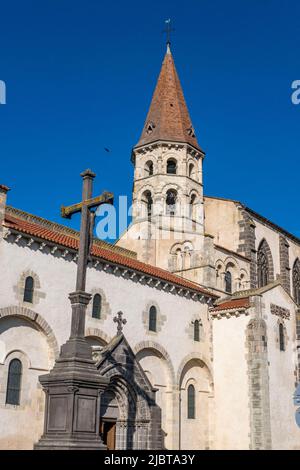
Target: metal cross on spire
column 120, row 322
column 168, row 31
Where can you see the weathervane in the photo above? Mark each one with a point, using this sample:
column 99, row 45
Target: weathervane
column 168, row 31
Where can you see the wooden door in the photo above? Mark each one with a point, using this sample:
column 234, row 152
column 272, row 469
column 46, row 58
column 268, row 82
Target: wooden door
column 108, row 433
column 111, row 436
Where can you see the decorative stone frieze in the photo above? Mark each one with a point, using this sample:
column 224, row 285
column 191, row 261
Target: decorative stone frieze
column 281, row 312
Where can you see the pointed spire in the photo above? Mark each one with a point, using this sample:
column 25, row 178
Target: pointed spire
column 168, row 117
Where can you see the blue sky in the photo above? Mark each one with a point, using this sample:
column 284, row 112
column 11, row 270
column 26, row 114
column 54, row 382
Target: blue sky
column 80, row 76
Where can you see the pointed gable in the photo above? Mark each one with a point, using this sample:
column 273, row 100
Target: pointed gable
column 119, row 359
column 168, row 117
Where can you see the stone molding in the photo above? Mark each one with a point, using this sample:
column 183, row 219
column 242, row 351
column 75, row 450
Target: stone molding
column 281, row 312
column 197, row 356
column 38, row 321
column 162, row 353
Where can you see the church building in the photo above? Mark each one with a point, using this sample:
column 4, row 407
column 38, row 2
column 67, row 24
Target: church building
column 209, row 289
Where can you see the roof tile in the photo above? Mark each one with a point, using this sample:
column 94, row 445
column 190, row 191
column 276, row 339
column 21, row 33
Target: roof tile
column 168, row 117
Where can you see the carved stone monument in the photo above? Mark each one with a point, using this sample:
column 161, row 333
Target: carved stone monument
column 74, row 385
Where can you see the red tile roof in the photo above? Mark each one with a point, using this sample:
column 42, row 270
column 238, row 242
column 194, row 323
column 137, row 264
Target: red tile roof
column 109, row 255
column 232, row 304
column 168, row 115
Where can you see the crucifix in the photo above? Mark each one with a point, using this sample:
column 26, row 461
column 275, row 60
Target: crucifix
column 168, row 31
column 87, row 223
column 80, row 299
column 120, row 322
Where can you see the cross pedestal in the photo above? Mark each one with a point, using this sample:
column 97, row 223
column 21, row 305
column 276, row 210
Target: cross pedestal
column 74, row 385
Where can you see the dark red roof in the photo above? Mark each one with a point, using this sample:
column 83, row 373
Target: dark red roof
column 232, row 304
column 168, row 117
column 109, row 255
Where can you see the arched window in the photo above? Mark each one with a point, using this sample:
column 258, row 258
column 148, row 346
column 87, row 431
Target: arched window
column 148, row 202
column 191, row 170
column 171, row 202
column 152, row 318
column 186, row 258
column 196, row 330
column 28, row 291
column 228, row 282
column 179, row 260
column 192, row 206
column 171, row 167
column 14, row 382
column 149, row 168
column 263, row 267
column 281, row 337
column 97, row 303
column 191, row 412
column 296, row 281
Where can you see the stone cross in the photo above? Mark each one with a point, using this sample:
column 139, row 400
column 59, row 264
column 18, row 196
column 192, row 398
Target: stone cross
column 74, row 385
column 87, row 223
column 120, row 322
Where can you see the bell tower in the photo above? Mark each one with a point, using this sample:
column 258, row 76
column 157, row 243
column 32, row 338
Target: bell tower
column 167, row 219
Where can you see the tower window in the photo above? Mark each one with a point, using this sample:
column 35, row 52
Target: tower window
column 97, row 303
column 147, row 204
column 171, row 201
column 191, row 170
column 228, row 282
column 192, row 206
column 191, row 412
column 152, row 318
column 14, row 382
column 281, row 337
column 171, row 167
column 149, row 169
column 28, row 290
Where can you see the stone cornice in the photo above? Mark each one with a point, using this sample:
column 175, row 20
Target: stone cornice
column 71, row 255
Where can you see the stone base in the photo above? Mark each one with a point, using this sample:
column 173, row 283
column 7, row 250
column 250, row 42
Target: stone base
column 73, row 388
column 56, row 443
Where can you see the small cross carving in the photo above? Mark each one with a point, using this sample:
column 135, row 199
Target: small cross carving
column 120, row 322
